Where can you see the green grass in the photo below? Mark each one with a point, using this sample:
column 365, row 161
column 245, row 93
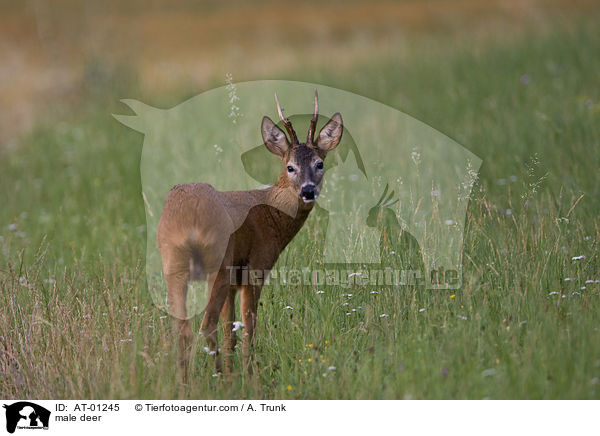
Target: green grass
column 76, row 319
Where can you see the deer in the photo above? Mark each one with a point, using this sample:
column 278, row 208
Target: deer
column 206, row 234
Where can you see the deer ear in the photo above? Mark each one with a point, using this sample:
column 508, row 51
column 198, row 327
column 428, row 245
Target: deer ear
column 274, row 138
column 331, row 133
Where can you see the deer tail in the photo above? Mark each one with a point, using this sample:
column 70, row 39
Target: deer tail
column 197, row 268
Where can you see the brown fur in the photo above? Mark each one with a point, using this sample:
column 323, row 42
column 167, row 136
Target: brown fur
column 203, row 232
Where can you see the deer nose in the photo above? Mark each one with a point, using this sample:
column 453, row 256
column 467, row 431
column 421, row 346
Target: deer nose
column 308, row 192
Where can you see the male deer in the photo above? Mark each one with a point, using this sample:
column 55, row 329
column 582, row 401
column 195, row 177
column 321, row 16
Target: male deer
column 204, row 234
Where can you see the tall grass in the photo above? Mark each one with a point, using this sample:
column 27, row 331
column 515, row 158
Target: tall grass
column 76, row 320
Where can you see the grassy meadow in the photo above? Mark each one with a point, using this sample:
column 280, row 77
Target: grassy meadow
column 77, row 320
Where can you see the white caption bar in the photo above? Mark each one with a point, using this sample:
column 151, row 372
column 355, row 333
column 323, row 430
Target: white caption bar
column 278, row 417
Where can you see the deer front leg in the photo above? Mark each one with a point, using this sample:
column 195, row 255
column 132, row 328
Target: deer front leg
column 250, row 296
column 220, row 290
column 229, row 337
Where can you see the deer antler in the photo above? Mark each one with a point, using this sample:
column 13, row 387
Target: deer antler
column 313, row 121
column 287, row 123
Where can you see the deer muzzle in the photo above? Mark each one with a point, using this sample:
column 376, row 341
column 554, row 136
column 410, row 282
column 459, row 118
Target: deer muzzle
column 309, row 193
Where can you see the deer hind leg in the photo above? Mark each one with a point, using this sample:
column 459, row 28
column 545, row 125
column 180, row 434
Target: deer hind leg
column 219, row 292
column 176, row 270
column 229, row 336
column 250, row 296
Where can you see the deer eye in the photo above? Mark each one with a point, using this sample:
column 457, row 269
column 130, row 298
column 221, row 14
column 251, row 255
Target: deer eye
column 320, row 165
column 290, row 169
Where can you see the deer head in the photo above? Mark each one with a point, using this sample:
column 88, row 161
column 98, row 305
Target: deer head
column 382, row 212
column 303, row 162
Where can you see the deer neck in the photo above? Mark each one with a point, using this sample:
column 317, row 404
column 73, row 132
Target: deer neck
column 283, row 197
column 288, row 211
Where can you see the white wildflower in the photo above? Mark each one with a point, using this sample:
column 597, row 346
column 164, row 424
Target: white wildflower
column 416, row 157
